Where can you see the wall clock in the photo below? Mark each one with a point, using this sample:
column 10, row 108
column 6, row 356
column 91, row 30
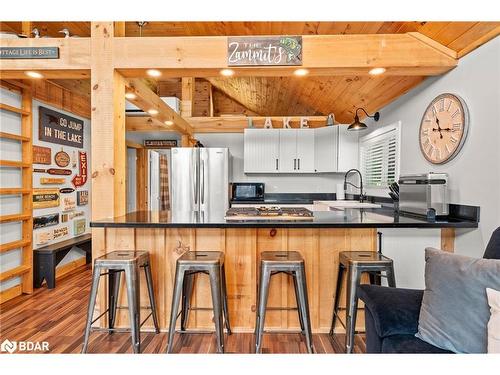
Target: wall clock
column 443, row 128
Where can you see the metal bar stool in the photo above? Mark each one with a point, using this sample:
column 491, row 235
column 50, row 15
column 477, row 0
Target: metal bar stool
column 115, row 263
column 291, row 263
column 187, row 266
column 355, row 263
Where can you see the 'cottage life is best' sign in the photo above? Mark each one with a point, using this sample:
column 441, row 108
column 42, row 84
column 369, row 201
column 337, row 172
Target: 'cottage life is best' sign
column 270, row 51
column 29, row 52
column 56, row 127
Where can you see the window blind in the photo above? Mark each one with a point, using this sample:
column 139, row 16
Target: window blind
column 379, row 156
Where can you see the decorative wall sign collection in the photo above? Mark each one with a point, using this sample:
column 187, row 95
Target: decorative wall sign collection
column 59, row 128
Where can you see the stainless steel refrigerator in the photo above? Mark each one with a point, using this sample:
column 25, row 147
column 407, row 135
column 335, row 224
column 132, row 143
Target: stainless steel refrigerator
column 200, row 181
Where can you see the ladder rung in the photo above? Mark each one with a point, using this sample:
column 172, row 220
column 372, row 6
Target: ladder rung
column 13, row 245
column 14, row 163
column 14, row 272
column 14, row 109
column 14, row 191
column 15, row 137
column 15, row 217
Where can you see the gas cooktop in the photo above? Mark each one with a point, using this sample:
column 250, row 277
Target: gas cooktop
column 279, row 213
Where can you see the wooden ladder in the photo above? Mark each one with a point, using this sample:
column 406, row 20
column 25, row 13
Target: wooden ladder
column 25, row 270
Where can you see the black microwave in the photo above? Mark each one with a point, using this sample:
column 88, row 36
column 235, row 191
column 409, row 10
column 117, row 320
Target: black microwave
column 248, row 191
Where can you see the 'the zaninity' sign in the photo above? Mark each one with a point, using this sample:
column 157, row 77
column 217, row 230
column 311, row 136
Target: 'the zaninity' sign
column 266, row 51
column 29, row 52
column 56, row 127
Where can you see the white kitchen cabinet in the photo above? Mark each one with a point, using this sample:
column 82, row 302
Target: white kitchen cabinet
column 261, row 151
column 348, row 153
column 305, row 150
column 296, row 151
column 326, row 148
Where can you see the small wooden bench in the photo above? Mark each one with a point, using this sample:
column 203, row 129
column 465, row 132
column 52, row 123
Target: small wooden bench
column 48, row 257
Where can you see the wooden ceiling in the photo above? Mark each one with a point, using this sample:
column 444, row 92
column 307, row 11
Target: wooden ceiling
column 279, row 96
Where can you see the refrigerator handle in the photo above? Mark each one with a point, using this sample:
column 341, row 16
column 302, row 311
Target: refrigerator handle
column 196, row 181
column 202, row 174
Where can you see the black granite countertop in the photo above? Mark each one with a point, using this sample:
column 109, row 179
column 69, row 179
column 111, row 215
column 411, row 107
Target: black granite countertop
column 348, row 218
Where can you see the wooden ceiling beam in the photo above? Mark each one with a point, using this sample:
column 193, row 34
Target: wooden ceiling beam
column 146, row 124
column 146, row 100
column 401, row 54
column 225, row 124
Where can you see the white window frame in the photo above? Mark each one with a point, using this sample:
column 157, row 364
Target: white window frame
column 376, row 133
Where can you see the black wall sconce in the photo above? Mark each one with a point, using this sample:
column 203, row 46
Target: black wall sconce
column 358, row 125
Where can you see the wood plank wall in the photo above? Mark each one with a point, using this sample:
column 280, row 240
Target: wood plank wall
column 320, row 248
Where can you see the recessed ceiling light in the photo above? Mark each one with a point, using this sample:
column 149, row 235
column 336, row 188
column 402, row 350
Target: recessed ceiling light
column 227, row 72
column 153, row 111
column 130, row 95
column 33, row 74
column 301, row 72
column 168, row 122
column 376, row 71
column 153, row 73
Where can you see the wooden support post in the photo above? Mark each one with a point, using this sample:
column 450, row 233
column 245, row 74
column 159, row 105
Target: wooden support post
column 187, row 96
column 26, row 27
column 108, row 138
column 185, row 141
column 211, row 100
column 141, row 176
column 448, row 239
column 119, row 27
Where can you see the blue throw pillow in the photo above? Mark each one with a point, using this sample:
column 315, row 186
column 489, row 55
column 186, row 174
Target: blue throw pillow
column 455, row 312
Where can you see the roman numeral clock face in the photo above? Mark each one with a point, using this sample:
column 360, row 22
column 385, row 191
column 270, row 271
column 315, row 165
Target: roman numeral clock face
column 444, row 128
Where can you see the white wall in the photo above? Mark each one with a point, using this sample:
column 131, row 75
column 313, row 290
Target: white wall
column 275, row 183
column 474, row 174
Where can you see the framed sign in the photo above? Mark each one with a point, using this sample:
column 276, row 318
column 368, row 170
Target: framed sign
column 29, row 52
column 56, row 127
column 79, row 227
column 68, row 203
column 66, row 190
column 62, row 159
column 60, row 232
column 44, row 198
column 264, row 51
column 160, row 143
column 42, row 155
column 71, row 215
column 52, row 181
column 45, row 221
column 54, row 171
column 42, row 238
column 82, row 197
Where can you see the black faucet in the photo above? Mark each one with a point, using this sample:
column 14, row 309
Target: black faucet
column 360, row 187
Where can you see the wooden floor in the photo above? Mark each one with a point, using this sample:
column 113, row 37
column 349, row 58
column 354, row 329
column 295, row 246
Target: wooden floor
column 58, row 317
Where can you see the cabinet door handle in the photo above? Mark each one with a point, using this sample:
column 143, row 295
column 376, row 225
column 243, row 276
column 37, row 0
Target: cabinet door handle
column 298, row 164
column 294, row 164
column 276, row 164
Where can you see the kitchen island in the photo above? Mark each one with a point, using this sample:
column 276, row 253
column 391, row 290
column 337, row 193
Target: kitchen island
column 167, row 235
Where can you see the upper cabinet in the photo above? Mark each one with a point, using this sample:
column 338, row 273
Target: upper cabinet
column 261, row 150
column 296, row 153
column 320, row 150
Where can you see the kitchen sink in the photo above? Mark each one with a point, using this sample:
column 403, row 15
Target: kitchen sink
column 343, row 204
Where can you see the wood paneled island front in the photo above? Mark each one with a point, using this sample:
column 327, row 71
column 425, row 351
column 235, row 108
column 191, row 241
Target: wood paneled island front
column 319, row 241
